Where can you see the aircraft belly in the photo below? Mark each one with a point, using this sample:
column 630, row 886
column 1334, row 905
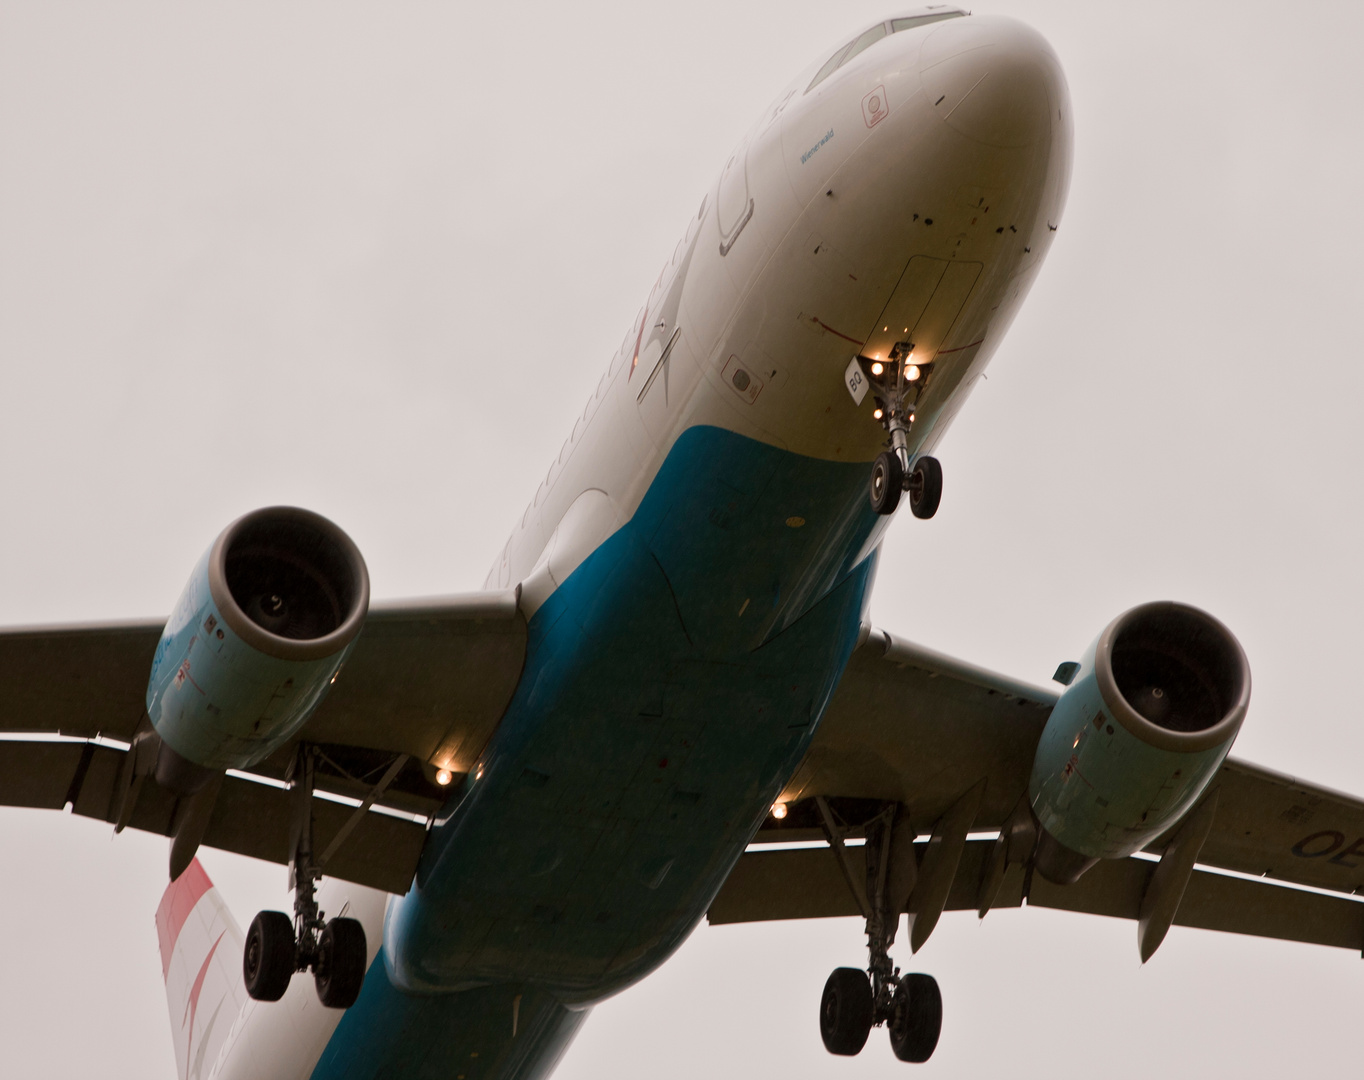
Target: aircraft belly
column 672, row 685
column 491, row 1033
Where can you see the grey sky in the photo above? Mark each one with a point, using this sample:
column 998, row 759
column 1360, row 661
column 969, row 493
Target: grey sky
column 371, row 259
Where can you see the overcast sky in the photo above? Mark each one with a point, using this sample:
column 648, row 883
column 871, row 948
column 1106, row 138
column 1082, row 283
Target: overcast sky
column 370, row 260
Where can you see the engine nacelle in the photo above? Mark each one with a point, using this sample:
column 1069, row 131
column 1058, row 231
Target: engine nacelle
column 258, row 635
column 1137, row 736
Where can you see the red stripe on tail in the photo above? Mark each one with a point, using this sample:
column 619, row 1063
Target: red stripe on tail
column 180, row 897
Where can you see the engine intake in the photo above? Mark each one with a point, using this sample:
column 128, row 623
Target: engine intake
column 1137, row 736
column 260, row 632
column 290, row 582
column 1176, row 669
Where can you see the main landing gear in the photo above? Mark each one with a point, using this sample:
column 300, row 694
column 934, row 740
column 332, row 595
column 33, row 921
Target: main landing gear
column 277, row 946
column 855, row 1001
column 896, row 381
column 913, row 1018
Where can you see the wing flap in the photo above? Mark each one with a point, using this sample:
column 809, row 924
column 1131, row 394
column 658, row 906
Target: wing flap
column 807, row 883
column 39, row 774
column 248, row 818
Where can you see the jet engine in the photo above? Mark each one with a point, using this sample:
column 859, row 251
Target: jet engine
column 259, row 634
column 1136, row 737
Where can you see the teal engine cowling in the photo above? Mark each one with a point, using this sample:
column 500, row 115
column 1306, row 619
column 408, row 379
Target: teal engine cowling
column 1137, row 736
column 259, row 634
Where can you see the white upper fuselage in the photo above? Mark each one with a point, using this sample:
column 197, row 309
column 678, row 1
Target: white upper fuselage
column 921, row 181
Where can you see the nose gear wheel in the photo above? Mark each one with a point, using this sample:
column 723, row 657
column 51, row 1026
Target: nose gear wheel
column 899, row 384
column 887, row 481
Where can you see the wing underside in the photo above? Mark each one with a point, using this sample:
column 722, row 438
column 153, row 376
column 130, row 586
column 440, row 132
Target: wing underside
column 426, row 683
column 915, row 728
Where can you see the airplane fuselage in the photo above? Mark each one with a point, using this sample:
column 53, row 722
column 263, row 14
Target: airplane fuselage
column 695, row 565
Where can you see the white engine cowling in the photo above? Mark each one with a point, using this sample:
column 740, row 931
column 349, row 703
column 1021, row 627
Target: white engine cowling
column 1135, row 739
column 261, row 630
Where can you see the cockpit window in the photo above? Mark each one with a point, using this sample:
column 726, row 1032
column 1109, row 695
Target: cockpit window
column 829, row 68
column 911, row 21
column 870, row 37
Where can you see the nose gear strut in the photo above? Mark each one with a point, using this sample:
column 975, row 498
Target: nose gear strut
column 899, row 383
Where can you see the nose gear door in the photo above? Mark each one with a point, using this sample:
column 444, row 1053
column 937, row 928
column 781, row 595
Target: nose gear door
column 922, row 309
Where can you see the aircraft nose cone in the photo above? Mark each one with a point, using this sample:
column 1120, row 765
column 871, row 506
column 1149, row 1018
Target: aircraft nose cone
column 993, row 79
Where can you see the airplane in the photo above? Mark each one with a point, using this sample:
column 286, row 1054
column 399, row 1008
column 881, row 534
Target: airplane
column 166, row 800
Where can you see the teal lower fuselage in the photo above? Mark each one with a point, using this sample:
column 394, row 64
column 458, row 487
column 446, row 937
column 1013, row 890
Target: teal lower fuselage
column 672, row 685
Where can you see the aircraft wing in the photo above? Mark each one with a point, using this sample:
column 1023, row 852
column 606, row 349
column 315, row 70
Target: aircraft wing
column 427, row 680
column 913, row 726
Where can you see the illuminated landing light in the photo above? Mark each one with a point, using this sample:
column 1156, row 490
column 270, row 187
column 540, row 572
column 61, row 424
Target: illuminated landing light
column 779, row 810
column 444, row 776
column 877, row 414
column 877, row 368
column 912, row 372
column 911, row 418
column 478, row 773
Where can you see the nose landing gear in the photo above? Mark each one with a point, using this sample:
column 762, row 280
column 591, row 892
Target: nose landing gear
column 897, row 380
column 277, row 946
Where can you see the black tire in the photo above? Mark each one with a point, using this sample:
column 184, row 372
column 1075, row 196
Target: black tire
column 268, row 959
column 925, row 487
column 887, row 481
column 915, row 1018
column 845, row 1011
column 341, row 952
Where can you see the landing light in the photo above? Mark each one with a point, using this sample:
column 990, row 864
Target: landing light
column 876, row 414
column 444, row 776
column 912, row 372
column 877, row 368
column 779, row 810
